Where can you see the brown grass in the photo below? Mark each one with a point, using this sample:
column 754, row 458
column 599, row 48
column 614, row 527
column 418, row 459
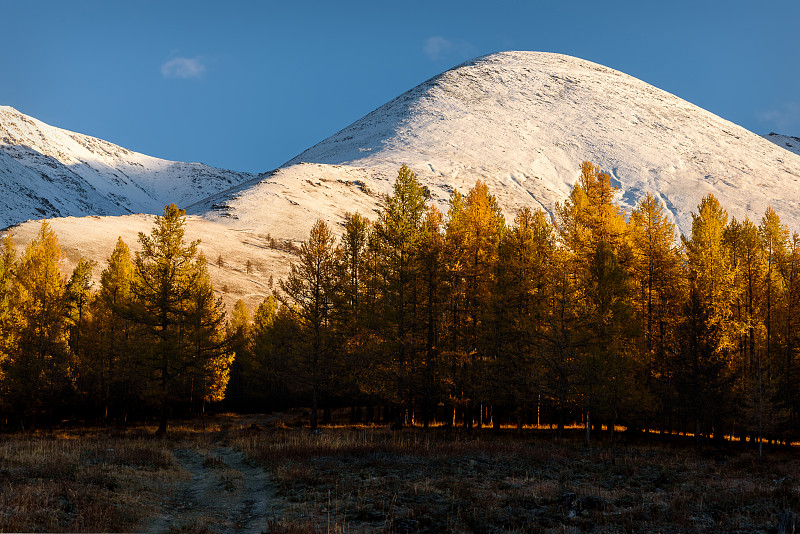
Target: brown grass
column 85, row 482
column 370, row 479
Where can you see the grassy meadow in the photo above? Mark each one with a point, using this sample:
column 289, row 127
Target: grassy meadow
column 371, row 479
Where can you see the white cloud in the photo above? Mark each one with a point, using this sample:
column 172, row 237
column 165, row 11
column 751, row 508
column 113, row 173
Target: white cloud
column 438, row 48
column 783, row 120
column 183, row 67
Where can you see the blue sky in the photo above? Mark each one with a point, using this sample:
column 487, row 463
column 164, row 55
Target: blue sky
column 249, row 85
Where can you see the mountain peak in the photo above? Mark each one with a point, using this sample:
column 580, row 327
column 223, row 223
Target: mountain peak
column 524, row 121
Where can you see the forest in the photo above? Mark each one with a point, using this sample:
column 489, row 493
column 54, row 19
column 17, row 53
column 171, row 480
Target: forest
column 587, row 316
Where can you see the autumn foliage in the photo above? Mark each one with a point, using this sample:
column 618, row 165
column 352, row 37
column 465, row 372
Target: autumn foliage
column 587, row 315
column 150, row 340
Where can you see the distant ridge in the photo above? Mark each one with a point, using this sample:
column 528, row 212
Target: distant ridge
column 792, row 144
column 50, row 172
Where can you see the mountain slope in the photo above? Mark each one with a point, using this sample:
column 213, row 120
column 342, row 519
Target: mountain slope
column 47, row 171
column 523, row 122
column 792, row 144
column 520, row 121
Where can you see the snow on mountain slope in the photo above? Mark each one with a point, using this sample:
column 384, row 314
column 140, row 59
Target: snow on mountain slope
column 47, row 171
column 95, row 237
column 524, row 121
column 520, row 121
column 287, row 201
column 792, row 144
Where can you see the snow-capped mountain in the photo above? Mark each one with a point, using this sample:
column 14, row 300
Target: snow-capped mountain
column 49, row 172
column 523, row 122
column 520, row 121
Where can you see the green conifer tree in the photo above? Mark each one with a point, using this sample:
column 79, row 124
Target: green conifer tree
column 173, row 301
column 397, row 236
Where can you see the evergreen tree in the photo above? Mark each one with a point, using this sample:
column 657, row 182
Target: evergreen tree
column 174, row 303
column 397, row 236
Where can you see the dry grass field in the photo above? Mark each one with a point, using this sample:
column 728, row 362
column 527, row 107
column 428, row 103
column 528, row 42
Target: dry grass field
column 270, row 474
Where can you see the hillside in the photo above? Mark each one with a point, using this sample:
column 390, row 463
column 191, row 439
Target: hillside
column 50, row 172
column 523, row 122
column 95, row 237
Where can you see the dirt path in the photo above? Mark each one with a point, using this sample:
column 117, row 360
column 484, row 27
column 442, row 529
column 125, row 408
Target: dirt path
column 226, row 494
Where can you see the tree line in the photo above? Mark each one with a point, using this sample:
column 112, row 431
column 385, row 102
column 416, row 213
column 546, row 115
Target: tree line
column 150, row 341
column 590, row 315
column 587, row 315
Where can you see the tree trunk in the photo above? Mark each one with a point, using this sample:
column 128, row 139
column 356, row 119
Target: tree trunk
column 162, row 422
column 588, row 428
column 314, row 408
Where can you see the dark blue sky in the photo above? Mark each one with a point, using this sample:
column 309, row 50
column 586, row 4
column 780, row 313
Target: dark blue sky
column 249, row 85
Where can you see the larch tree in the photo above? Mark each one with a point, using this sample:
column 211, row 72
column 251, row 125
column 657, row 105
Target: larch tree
column 474, row 229
column 709, row 333
column 433, row 293
column 209, row 356
column 173, row 301
column 773, row 238
column 40, row 371
column 521, row 302
column 238, row 332
column 596, row 238
column 8, row 326
column 352, row 314
column 80, row 297
column 308, row 292
column 659, row 290
column 396, row 241
column 748, row 261
column 789, row 269
column 773, row 371
column 271, row 371
column 563, row 338
column 114, row 378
